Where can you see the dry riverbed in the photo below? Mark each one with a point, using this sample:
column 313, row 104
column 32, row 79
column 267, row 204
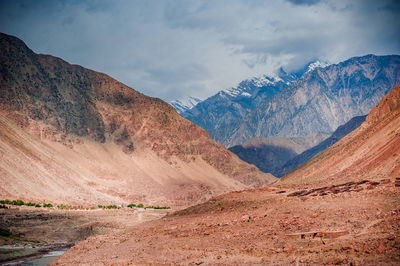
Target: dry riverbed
column 39, row 231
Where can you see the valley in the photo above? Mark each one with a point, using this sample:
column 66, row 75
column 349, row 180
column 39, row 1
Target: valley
column 298, row 167
column 325, row 212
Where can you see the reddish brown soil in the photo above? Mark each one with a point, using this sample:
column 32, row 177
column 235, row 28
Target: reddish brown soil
column 250, row 228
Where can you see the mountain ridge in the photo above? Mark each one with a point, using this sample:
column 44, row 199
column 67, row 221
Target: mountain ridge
column 228, row 106
column 326, row 96
column 80, row 114
column 371, row 150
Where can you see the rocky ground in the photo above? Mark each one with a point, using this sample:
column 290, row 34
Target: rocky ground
column 355, row 223
column 37, row 231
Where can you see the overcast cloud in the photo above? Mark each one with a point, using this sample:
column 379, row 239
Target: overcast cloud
column 175, row 49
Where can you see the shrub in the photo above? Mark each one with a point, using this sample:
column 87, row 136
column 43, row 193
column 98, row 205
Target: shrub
column 38, row 205
column 5, row 201
column 5, row 232
column 17, row 202
column 148, row 207
column 47, row 205
column 63, row 207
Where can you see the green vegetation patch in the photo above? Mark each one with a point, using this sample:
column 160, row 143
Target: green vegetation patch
column 108, row 207
column 148, row 207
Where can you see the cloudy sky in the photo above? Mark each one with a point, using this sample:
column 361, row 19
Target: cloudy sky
column 173, row 49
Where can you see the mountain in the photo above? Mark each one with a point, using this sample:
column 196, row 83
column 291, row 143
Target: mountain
column 269, row 155
column 182, row 106
column 322, row 100
column 220, row 113
column 372, row 150
column 72, row 135
column 342, row 207
column 315, row 99
column 302, row 158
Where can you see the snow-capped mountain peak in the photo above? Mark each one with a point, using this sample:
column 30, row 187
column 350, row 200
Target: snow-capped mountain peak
column 185, row 104
column 247, row 87
column 316, row 64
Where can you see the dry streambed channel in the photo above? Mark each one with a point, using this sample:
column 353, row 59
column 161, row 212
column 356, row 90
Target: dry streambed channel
column 37, row 236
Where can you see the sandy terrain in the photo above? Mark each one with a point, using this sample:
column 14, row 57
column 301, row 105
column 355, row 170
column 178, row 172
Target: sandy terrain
column 250, row 228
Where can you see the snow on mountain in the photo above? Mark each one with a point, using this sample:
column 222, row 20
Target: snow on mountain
column 316, row 98
column 249, row 87
column 186, row 104
column 316, row 64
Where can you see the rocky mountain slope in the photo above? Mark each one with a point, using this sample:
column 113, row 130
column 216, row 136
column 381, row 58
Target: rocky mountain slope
column 322, row 100
column 317, row 99
column 73, row 135
column 302, row 158
column 269, row 155
column 372, row 150
column 342, row 207
column 220, row 113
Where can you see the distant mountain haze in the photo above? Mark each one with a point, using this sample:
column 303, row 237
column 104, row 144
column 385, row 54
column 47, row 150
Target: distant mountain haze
column 269, row 155
column 302, row 158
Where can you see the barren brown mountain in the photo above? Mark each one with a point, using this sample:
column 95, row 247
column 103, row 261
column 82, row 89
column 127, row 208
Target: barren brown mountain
column 73, row 135
column 340, row 208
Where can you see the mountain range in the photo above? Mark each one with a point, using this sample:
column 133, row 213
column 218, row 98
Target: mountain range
column 317, row 99
column 72, row 135
column 341, row 207
column 220, row 113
